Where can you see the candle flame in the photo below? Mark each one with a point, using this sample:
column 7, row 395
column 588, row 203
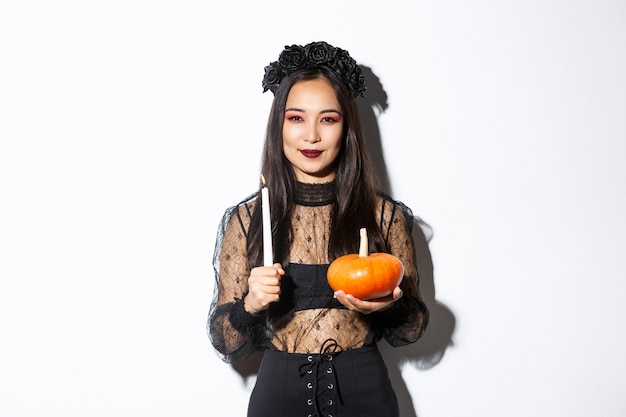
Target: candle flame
column 263, row 180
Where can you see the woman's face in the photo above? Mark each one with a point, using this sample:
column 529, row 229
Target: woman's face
column 312, row 130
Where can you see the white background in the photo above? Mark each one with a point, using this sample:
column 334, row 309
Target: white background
column 127, row 127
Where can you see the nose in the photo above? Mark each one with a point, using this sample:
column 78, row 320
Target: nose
column 312, row 134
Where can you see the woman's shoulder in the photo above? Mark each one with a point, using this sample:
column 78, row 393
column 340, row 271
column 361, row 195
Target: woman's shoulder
column 241, row 210
column 246, row 204
column 388, row 203
column 249, row 200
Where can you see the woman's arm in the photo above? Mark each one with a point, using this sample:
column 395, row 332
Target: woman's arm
column 405, row 321
column 233, row 331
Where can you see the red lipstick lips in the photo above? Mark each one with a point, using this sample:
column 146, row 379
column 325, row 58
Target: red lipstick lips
column 310, row 153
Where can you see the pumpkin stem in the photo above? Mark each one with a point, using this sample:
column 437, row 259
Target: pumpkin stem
column 363, row 247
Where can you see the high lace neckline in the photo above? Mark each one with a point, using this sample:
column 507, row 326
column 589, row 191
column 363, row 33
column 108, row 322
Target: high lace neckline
column 315, row 194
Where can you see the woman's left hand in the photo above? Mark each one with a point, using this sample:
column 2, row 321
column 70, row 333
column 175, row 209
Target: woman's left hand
column 368, row 306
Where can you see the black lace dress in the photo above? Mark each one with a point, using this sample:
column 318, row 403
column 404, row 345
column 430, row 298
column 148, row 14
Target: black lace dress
column 308, row 322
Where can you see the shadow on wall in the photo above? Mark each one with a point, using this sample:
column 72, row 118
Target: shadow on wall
column 429, row 350
column 370, row 107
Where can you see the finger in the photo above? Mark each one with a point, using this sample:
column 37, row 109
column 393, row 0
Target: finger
column 274, row 270
column 271, row 289
column 346, row 299
column 365, row 306
column 265, row 295
column 279, row 268
column 397, row 293
column 270, row 279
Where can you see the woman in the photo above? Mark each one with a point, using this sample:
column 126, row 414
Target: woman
column 321, row 356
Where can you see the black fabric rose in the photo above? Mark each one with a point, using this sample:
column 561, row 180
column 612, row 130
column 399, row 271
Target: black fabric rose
column 344, row 64
column 292, row 58
column 320, row 53
column 273, row 77
column 358, row 82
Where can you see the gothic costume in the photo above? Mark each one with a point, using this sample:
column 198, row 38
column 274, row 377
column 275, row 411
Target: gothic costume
column 320, row 359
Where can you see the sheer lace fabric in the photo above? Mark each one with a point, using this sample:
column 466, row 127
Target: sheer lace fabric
column 308, row 315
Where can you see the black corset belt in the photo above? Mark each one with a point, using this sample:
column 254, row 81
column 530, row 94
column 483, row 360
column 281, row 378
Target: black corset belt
column 320, row 379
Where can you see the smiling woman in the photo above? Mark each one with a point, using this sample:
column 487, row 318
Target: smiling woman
column 312, row 131
column 317, row 342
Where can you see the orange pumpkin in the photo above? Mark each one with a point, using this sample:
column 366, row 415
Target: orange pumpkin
column 365, row 276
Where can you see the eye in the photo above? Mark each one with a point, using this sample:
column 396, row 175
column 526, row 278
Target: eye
column 331, row 119
column 293, row 116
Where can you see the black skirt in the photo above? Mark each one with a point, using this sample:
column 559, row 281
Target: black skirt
column 351, row 383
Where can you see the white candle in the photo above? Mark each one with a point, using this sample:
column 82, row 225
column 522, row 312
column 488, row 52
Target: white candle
column 268, row 258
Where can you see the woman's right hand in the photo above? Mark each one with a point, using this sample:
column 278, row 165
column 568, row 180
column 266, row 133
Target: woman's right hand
column 263, row 288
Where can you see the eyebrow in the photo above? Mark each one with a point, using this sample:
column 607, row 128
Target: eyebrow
column 321, row 112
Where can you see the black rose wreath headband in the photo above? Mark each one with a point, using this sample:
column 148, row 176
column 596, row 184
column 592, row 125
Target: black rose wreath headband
column 296, row 57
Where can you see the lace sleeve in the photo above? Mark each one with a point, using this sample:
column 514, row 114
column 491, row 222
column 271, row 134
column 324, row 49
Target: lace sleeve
column 233, row 332
column 406, row 321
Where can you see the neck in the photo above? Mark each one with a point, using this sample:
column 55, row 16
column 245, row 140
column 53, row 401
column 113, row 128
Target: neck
column 321, row 194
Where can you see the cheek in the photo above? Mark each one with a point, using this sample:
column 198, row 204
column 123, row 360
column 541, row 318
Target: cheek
column 337, row 141
column 290, row 135
column 289, row 146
